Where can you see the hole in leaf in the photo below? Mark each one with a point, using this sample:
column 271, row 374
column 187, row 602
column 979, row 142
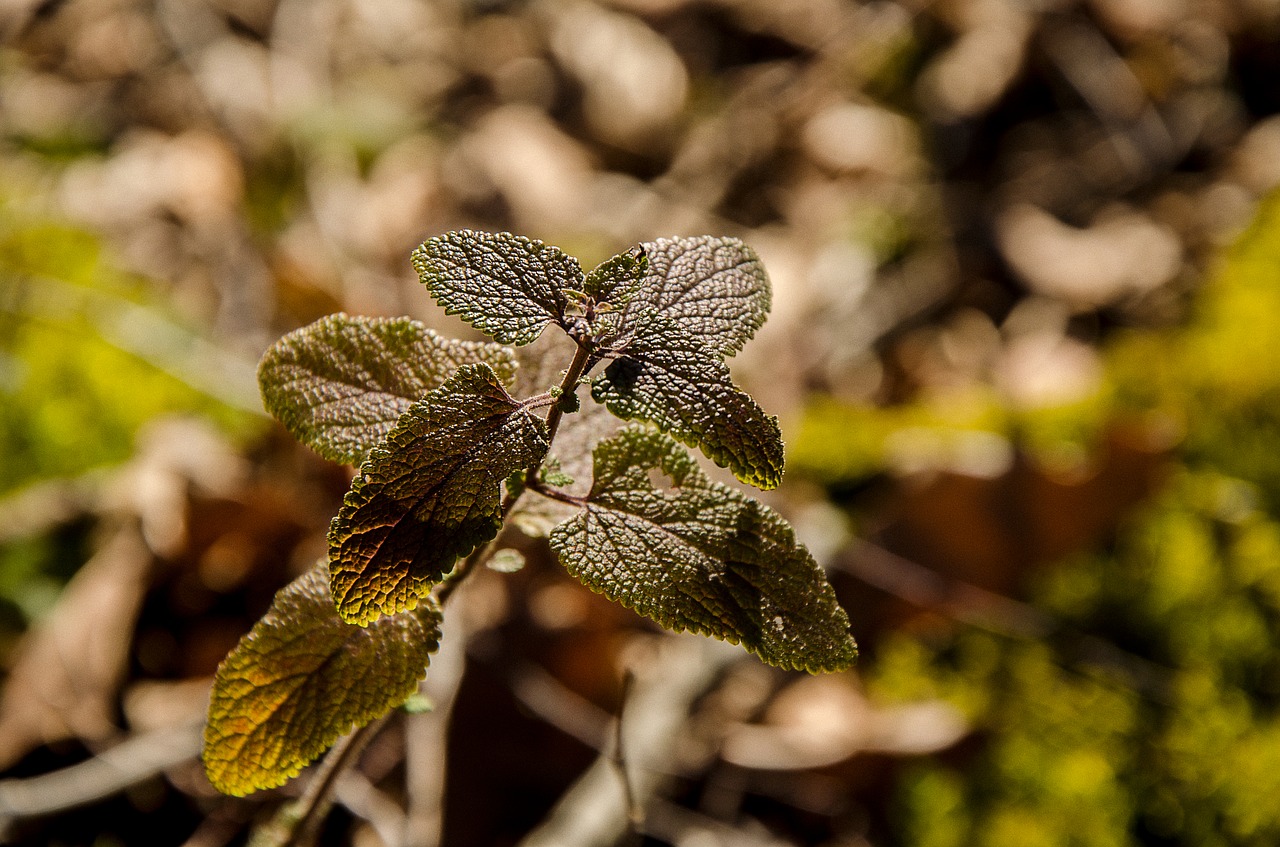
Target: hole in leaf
column 662, row 482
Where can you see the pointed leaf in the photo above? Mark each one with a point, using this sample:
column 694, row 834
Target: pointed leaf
column 429, row 494
column 340, row 384
column 715, row 289
column 668, row 378
column 302, row 678
column 505, row 285
column 701, row 557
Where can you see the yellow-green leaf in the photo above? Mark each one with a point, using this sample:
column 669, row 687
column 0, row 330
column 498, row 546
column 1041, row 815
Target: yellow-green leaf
column 616, row 279
column 715, row 289
column 505, row 285
column 669, row 378
column 302, row 678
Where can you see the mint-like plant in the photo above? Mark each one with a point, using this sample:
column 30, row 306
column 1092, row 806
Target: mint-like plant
column 445, row 452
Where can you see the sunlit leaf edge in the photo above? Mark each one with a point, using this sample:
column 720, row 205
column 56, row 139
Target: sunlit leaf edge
column 303, row 611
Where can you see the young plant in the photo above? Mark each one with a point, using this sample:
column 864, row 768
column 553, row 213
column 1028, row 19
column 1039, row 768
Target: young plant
column 445, row 453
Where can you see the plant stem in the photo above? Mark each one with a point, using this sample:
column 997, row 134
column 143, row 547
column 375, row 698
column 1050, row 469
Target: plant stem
column 538, row 401
column 556, row 494
column 581, row 357
column 312, row 806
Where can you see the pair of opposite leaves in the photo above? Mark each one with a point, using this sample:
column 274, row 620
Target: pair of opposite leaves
column 435, row 432
column 430, row 471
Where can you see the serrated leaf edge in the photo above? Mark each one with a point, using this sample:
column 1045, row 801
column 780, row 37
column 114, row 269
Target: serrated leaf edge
column 525, row 334
column 371, row 613
column 280, row 776
column 687, row 467
column 296, row 420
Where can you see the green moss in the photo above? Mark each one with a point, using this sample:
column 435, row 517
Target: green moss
column 1162, row 726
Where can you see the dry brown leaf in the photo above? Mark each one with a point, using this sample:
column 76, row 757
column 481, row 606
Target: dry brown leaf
column 67, row 675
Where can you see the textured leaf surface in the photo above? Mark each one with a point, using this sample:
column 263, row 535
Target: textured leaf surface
column 615, row 280
column 715, row 289
column 340, row 384
column 429, row 494
column 701, row 557
column 302, row 678
column 505, row 285
column 668, row 378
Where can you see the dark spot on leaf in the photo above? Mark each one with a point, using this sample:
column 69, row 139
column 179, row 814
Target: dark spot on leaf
column 623, row 372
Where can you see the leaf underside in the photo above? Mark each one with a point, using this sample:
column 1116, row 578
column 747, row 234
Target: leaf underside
column 302, row 678
column 701, row 557
column 340, row 384
column 429, row 494
column 505, row 285
column 668, row 378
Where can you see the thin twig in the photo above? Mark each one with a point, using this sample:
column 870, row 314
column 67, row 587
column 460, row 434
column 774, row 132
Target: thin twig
column 555, row 493
column 550, row 700
column 298, row 824
column 539, row 401
column 635, row 809
column 924, row 587
column 427, row 733
column 582, row 357
column 358, row 795
column 593, row 812
column 128, row 763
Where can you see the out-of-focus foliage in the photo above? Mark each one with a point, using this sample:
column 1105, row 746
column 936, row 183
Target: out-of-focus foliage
column 87, row 355
column 1161, row 725
column 1219, row 380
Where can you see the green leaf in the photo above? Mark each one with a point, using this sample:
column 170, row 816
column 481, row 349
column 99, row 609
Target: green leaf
column 302, row 678
column 667, row 377
column 505, row 285
column 429, row 493
column 340, row 384
column 701, row 557
column 615, row 280
column 715, row 289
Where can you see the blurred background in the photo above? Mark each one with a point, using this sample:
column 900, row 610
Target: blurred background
column 1026, row 285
